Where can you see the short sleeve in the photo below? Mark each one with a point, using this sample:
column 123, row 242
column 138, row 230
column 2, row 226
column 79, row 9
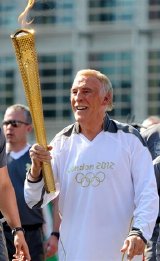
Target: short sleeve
column 3, row 159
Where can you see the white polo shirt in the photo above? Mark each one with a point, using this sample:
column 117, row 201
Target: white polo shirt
column 103, row 183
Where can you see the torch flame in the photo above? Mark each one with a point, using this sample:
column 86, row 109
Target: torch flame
column 23, row 15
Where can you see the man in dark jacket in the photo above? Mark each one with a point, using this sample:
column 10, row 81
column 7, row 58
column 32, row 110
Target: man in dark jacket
column 17, row 125
column 8, row 206
column 152, row 137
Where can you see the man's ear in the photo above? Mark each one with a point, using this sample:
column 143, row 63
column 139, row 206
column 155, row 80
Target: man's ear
column 29, row 128
column 107, row 99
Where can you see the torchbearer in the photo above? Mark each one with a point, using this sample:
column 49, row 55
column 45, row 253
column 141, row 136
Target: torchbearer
column 97, row 204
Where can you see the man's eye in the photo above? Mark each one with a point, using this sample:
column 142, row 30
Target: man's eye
column 73, row 91
column 86, row 91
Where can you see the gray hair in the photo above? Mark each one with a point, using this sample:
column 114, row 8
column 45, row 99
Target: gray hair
column 25, row 109
column 106, row 83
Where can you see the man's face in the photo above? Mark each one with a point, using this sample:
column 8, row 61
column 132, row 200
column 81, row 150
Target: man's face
column 15, row 134
column 88, row 100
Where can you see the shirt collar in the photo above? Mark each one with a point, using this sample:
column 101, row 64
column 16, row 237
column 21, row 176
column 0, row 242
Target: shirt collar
column 17, row 155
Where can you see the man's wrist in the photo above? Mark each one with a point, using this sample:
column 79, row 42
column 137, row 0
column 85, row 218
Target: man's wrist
column 17, row 229
column 56, row 234
column 137, row 232
column 33, row 178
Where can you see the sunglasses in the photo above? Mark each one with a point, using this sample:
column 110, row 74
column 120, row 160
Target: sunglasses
column 14, row 123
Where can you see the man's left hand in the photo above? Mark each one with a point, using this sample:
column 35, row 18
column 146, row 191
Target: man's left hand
column 133, row 246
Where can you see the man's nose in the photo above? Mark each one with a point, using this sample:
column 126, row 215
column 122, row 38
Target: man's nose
column 79, row 95
column 9, row 125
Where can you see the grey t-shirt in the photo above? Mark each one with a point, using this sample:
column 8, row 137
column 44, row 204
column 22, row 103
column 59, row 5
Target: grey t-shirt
column 3, row 162
column 3, row 159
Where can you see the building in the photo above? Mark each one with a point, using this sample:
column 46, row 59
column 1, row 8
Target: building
column 119, row 37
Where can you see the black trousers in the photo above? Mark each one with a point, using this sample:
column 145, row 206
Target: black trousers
column 152, row 251
column 34, row 239
column 3, row 249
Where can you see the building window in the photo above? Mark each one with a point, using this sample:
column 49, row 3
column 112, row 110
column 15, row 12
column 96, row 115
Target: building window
column 154, row 10
column 7, row 75
column 154, row 82
column 8, row 14
column 117, row 66
column 111, row 11
column 56, row 80
column 53, row 12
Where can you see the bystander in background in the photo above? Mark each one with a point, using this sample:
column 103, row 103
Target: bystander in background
column 8, row 206
column 151, row 120
column 17, row 125
column 151, row 135
column 51, row 245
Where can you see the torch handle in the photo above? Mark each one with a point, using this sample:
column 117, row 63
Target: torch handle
column 48, row 177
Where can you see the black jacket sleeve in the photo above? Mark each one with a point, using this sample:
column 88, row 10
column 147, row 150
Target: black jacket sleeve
column 156, row 163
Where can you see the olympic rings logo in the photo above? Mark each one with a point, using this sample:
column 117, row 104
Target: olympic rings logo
column 90, row 179
column 28, row 166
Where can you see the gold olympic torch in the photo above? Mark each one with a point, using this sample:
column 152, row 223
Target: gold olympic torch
column 24, row 44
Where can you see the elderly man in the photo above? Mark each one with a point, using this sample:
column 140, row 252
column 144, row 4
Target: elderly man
column 108, row 197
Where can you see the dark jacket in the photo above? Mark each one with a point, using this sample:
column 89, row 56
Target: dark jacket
column 152, row 137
